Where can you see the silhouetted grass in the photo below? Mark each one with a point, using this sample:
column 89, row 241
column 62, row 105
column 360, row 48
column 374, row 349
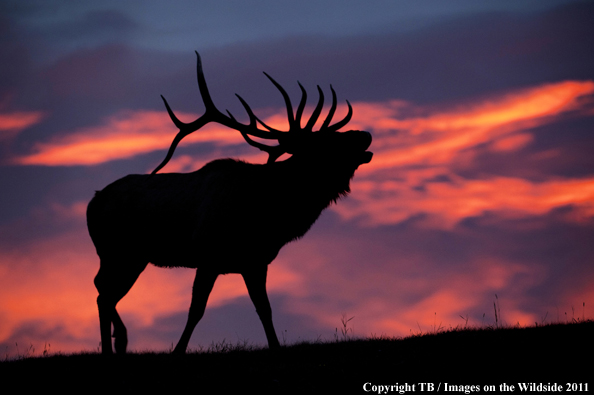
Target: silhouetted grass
column 544, row 353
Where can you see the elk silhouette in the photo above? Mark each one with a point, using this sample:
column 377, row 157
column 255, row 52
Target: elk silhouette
column 227, row 217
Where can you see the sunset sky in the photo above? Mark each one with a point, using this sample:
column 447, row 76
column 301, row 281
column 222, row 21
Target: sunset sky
column 481, row 184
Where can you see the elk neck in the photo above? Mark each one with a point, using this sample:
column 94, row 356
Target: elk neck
column 319, row 182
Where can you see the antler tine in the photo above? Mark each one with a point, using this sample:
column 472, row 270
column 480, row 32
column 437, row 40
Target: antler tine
column 249, row 111
column 180, row 125
column 301, row 106
column 212, row 114
column 273, row 151
column 287, row 102
column 316, row 112
column 206, row 99
column 254, row 117
column 180, row 135
column 330, row 113
column 344, row 121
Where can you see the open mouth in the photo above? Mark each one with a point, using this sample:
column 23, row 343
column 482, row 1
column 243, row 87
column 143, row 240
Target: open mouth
column 364, row 141
column 366, row 157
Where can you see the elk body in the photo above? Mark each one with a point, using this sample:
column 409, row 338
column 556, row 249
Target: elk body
column 227, row 217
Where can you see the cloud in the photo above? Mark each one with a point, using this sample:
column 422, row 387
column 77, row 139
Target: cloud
column 47, row 291
column 12, row 123
column 433, row 137
column 128, row 134
column 439, row 136
column 413, row 172
column 122, row 136
column 400, row 287
column 418, row 153
column 448, row 203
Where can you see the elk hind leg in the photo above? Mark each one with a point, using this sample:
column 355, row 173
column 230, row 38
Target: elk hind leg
column 255, row 281
column 113, row 282
column 201, row 289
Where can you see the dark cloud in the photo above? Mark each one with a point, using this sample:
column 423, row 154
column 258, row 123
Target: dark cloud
column 16, row 65
column 554, row 252
column 457, row 59
column 560, row 149
column 451, row 61
column 102, row 22
column 32, row 338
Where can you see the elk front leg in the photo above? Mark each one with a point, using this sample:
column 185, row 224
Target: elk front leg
column 255, row 281
column 203, row 284
column 113, row 281
column 106, row 310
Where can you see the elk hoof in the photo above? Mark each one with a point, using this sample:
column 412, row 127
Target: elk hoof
column 179, row 350
column 120, row 342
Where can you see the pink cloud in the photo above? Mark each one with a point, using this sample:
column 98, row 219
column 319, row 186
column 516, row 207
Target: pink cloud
column 405, row 291
column 123, row 136
column 411, row 151
column 391, row 202
column 435, row 137
column 48, row 284
column 12, row 123
column 439, row 136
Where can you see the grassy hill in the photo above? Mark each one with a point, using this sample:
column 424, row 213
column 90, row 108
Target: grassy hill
column 556, row 353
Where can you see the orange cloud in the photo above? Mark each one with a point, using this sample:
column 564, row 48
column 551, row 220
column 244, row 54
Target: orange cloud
column 512, row 143
column 405, row 292
column 411, row 151
column 122, row 136
column 438, row 137
column 447, row 203
column 50, row 283
column 11, row 124
column 432, row 138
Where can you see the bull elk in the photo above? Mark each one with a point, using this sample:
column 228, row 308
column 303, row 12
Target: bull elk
column 227, row 217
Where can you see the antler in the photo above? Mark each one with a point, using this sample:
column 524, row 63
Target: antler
column 212, row 114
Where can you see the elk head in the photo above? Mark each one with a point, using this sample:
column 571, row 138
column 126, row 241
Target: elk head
column 344, row 149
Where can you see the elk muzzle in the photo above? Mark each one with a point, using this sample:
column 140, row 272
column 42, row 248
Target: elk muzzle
column 363, row 141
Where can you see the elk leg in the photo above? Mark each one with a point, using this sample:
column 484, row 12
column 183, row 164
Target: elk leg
column 105, row 314
column 120, row 334
column 203, row 284
column 255, row 281
column 113, row 284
